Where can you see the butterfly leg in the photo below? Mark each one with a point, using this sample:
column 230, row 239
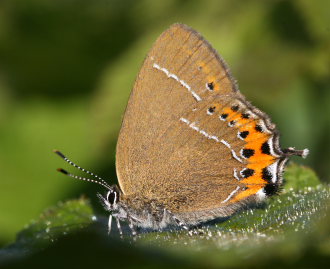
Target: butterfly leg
column 181, row 224
column 191, row 230
column 177, row 220
column 109, row 224
column 131, row 226
column 119, row 227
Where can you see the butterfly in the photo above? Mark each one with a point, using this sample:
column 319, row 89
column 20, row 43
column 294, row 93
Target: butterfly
column 191, row 148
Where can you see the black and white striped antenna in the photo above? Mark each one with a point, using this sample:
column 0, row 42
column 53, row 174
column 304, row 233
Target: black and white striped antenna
column 98, row 180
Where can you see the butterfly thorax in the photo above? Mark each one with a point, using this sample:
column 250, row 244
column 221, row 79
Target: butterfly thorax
column 144, row 212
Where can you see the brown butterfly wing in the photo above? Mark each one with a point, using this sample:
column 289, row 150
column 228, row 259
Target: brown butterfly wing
column 173, row 145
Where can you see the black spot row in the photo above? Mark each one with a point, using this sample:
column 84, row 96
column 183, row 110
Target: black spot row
column 272, row 189
column 210, row 86
column 247, row 172
column 266, row 175
column 223, row 116
column 232, row 123
column 244, row 134
column 258, row 128
column 265, row 148
column 235, row 108
column 211, row 109
column 247, row 153
column 245, row 116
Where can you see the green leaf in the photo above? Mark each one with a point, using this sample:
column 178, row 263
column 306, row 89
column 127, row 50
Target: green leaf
column 298, row 177
column 65, row 218
column 283, row 231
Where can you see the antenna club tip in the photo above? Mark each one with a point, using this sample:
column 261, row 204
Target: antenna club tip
column 59, row 153
column 61, row 170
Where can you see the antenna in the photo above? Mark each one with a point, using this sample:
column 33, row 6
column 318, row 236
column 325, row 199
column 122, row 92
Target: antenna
column 83, row 178
column 99, row 180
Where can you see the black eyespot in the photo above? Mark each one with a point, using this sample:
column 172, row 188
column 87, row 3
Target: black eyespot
column 247, row 153
column 211, row 109
column 244, row 134
column 266, row 175
column 247, row 172
column 223, row 116
column 235, row 108
column 245, row 116
column 272, row 189
column 265, row 148
column 210, row 86
column 258, row 128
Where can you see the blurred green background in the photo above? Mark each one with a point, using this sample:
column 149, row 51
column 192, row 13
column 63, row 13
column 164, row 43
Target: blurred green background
column 67, row 68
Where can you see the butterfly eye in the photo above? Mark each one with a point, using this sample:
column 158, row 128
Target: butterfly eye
column 112, row 197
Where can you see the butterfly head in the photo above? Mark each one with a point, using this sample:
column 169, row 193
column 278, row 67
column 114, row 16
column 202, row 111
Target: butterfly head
column 110, row 200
